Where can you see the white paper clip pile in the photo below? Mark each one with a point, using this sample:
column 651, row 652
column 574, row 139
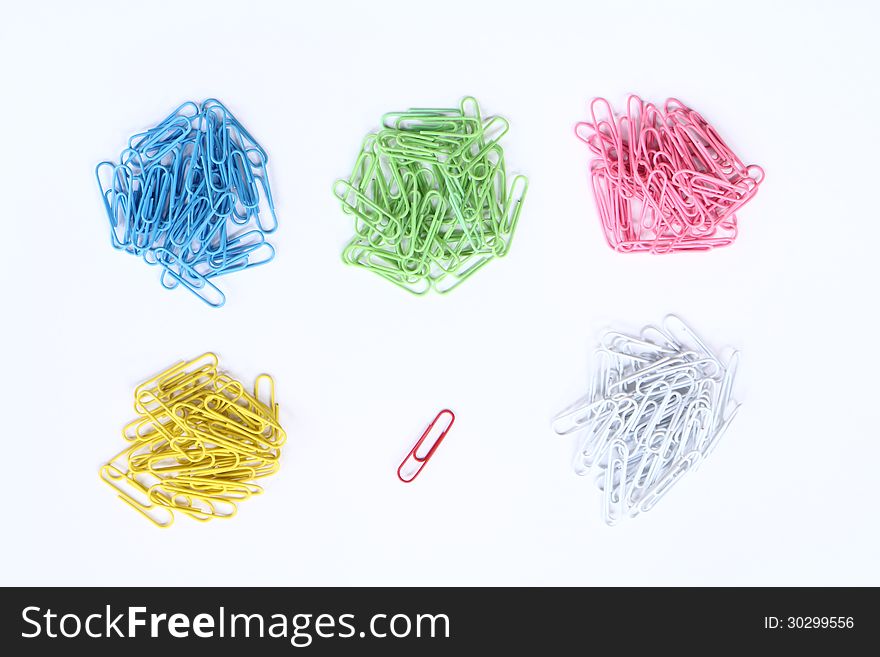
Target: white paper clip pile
column 658, row 405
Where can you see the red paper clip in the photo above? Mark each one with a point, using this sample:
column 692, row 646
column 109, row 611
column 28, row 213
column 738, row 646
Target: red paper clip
column 414, row 457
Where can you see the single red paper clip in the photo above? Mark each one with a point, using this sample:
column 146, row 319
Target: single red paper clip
column 413, row 456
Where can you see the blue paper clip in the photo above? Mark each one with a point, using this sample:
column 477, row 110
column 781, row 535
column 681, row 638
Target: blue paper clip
column 192, row 196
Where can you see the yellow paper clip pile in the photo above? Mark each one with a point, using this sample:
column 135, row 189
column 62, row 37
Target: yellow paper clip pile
column 198, row 444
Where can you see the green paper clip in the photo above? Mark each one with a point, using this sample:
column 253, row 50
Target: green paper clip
column 430, row 198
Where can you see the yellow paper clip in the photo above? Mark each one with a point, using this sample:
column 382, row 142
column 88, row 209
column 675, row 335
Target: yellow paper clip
column 198, row 443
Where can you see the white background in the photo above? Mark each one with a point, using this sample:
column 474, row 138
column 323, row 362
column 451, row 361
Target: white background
column 789, row 497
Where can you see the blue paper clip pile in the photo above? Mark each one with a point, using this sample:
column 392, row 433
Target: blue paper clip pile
column 186, row 196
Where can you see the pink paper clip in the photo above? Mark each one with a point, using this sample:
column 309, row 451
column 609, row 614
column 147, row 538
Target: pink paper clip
column 663, row 179
column 405, row 470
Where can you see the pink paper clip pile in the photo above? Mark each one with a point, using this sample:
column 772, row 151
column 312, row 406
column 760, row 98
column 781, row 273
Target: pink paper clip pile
column 664, row 180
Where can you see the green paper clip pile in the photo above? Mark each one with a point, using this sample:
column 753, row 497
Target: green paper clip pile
column 430, row 198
